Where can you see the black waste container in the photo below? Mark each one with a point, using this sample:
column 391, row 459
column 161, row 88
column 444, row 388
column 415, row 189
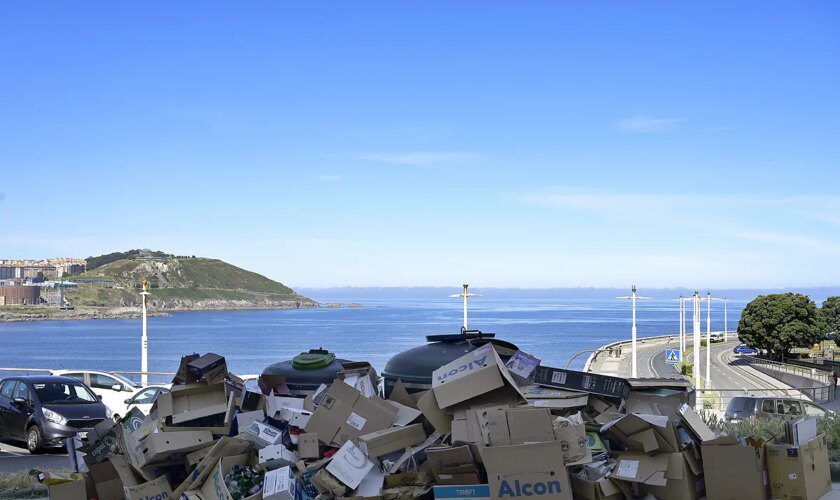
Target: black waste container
column 308, row 370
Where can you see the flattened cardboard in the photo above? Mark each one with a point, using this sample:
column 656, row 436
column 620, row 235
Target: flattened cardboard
column 527, row 470
column 529, row 425
column 405, row 414
column 739, row 472
column 344, row 414
column 438, row 418
column 349, row 465
column 602, row 489
column 157, row 488
column 71, row 490
column 382, row 442
column 666, row 475
column 399, row 394
column 477, row 373
column 646, row 433
column 308, row 445
column 799, row 471
column 189, row 402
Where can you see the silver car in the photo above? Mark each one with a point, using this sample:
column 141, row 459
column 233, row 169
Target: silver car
column 746, row 407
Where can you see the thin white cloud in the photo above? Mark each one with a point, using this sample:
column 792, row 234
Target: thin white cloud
column 644, row 124
column 329, row 177
column 420, row 158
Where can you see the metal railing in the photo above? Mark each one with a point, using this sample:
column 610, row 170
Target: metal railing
column 816, row 374
column 154, row 377
column 718, row 399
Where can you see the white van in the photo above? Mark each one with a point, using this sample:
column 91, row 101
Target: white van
column 114, row 389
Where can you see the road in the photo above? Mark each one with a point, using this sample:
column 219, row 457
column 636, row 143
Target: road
column 14, row 459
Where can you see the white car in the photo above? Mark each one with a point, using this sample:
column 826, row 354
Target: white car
column 144, row 398
column 114, row 389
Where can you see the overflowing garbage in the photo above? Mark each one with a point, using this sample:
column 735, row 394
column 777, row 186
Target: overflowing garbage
column 488, row 428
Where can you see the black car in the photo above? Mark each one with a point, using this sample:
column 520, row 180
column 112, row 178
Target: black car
column 43, row 411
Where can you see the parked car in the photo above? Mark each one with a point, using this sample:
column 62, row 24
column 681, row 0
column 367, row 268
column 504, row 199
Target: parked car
column 45, row 410
column 114, row 389
column 746, row 407
column 744, row 349
column 144, row 398
column 717, row 337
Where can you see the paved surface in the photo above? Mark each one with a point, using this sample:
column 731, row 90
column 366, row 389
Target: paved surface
column 15, row 459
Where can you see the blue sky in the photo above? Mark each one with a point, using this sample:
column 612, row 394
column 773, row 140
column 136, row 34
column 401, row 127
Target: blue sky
column 506, row 144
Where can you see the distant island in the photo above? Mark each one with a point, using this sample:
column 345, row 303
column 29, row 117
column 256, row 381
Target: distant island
column 110, row 285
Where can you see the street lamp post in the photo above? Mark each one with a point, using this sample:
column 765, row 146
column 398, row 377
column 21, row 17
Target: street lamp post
column 708, row 339
column 465, row 294
column 634, row 373
column 695, row 302
column 144, row 353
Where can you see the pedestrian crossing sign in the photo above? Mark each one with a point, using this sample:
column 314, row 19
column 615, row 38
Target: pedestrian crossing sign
column 673, row 356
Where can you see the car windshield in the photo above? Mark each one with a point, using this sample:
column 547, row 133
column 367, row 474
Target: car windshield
column 125, row 380
column 63, row 393
column 739, row 405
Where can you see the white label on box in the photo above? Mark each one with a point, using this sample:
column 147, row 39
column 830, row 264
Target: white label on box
column 445, row 476
column 628, row 468
column 365, row 386
column 792, row 477
column 356, row 421
column 558, row 377
column 541, row 403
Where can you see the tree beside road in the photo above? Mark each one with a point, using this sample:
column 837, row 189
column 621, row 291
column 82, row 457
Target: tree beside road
column 781, row 322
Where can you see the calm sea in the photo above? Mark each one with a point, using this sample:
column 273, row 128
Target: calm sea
column 554, row 330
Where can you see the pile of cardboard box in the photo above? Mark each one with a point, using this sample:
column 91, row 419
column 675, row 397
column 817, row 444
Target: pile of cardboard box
column 484, row 430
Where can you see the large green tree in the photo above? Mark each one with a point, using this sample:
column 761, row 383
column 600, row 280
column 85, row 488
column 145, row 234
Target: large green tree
column 780, row 322
column 831, row 313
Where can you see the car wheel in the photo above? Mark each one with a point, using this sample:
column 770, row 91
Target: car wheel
column 34, row 440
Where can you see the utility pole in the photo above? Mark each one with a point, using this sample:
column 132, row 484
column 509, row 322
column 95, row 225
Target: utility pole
column 465, row 294
column 144, row 354
column 633, row 298
column 725, row 321
column 695, row 302
column 682, row 328
column 708, row 339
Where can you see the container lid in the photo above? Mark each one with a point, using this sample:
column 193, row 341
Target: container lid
column 313, row 360
column 458, row 337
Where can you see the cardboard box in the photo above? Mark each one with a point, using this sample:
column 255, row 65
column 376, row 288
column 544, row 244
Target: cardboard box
column 226, row 446
column 214, row 487
column 581, row 381
column 486, row 426
column 382, row 442
column 645, row 433
column 571, row 434
column 349, row 465
column 262, row 434
column 529, row 425
column 189, row 402
column 438, row 418
column 462, row 492
column 738, row 469
column 308, row 446
column 675, row 476
column 359, row 375
column 527, row 470
column 453, row 465
column 279, row 484
column 70, row 490
column 601, row 489
column 799, row 472
column 246, row 418
column 276, row 456
column 157, row 488
column 344, row 414
column 194, row 457
column 546, row 397
column 106, row 481
column 160, row 445
column 210, row 368
column 405, row 414
column 477, row 373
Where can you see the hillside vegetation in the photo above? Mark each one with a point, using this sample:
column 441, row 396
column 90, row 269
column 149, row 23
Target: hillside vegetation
column 182, row 283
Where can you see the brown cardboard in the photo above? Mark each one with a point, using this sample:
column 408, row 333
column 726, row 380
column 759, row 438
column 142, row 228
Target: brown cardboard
column 526, row 470
column 344, row 414
column 160, row 445
column 799, row 472
column 666, row 475
column 529, row 425
column 546, row 397
column 308, row 445
column 157, row 488
column 602, row 489
column 128, row 476
column 214, row 487
column 226, row 446
column 491, row 426
column 738, row 471
column 452, row 465
column 646, row 433
column 438, row 418
column 71, row 490
column 194, row 457
column 382, row 442
column 106, row 481
column 188, row 402
column 573, row 439
column 399, row 394
column 477, row 373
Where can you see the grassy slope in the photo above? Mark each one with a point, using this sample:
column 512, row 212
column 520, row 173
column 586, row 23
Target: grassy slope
column 197, row 279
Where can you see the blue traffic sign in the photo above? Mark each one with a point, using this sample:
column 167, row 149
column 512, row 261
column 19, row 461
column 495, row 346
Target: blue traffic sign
column 673, row 356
